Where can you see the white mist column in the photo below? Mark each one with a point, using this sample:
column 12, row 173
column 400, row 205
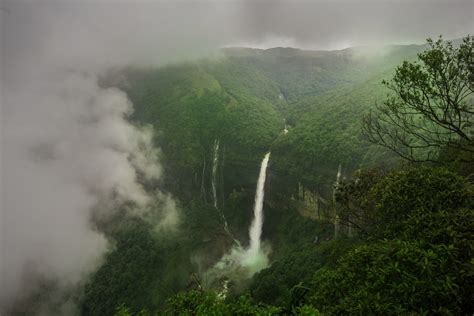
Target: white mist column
column 256, row 226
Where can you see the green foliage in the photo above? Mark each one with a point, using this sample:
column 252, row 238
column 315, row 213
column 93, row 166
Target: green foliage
column 128, row 274
column 432, row 104
column 416, row 190
column 354, row 204
column 298, row 73
column 242, row 99
column 288, row 230
column 426, row 265
column 191, row 109
column 145, row 268
column 274, row 285
column 122, row 310
column 379, row 203
column 306, row 310
column 457, row 160
column 328, row 134
column 209, row 303
column 395, row 277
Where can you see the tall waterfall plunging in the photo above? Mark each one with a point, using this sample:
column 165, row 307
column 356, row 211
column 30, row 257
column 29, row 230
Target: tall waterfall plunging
column 255, row 231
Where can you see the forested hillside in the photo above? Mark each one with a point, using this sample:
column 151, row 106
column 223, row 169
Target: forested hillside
column 352, row 228
column 244, row 96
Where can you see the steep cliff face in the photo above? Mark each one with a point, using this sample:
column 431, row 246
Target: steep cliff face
column 310, row 203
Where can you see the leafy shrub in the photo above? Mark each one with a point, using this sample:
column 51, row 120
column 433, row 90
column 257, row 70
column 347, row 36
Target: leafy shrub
column 209, row 303
column 396, row 277
column 416, row 190
column 419, row 255
column 274, row 285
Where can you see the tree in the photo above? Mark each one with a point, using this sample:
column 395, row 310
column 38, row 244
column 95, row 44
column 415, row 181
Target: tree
column 396, row 277
column 378, row 204
column 417, row 258
column 432, row 106
column 210, row 303
column 354, row 203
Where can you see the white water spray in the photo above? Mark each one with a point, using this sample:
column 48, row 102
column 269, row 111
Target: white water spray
column 256, row 226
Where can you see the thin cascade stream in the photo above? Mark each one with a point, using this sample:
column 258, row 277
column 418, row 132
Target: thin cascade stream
column 215, row 164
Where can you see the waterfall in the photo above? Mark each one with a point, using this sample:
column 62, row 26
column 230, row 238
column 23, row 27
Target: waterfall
column 241, row 263
column 255, row 231
column 336, row 216
column 215, row 163
column 285, row 130
column 338, row 175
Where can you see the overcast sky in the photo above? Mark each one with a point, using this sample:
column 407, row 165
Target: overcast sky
column 338, row 24
column 161, row 29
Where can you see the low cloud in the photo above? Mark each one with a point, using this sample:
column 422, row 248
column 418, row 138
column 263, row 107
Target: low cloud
column 70, row 151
